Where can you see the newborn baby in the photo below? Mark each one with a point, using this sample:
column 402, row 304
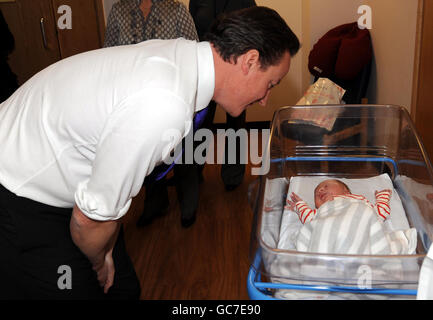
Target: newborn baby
column 342, row 223
column 329, row 189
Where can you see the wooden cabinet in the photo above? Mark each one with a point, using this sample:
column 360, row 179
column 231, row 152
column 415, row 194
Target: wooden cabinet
column 41, row 37
column 422, row 106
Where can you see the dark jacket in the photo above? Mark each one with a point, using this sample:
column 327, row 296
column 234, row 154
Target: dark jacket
column 205, row 11
column 8, row 80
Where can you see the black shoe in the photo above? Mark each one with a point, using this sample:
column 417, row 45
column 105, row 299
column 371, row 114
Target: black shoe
column 145, row 220
column 151, row 212
column 188, row 221
column 188, row 190
column 155, row 204
column 200, row 177
column 148, row 216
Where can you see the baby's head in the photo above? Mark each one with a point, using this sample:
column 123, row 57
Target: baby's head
column 327, row 189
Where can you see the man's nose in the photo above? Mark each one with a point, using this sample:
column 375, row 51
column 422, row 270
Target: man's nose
column 264, row 100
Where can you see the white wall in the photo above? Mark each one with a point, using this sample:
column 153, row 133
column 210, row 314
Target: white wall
column 327, row 14
column 393, row 35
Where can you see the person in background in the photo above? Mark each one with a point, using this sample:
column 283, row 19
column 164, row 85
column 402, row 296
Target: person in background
column 134, row 21
column 204, row 13
column 8, row 80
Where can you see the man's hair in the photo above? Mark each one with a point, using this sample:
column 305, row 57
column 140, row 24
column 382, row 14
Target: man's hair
column 260, row 28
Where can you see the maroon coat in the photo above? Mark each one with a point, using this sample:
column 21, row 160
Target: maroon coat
column 341, row 53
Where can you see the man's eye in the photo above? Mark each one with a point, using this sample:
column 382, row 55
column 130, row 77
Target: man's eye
column 271, row 85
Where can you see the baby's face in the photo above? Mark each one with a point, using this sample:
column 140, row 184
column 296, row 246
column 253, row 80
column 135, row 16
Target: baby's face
column 326, row 191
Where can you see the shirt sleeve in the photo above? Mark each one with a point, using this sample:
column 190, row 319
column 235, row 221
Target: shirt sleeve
column 382, row 207
column 185, row 24
column 305, row 213
column 139, row 134
column 112, row 31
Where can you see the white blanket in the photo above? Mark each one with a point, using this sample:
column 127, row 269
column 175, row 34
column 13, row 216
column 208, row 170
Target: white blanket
column 304, row 187
column 351, row 226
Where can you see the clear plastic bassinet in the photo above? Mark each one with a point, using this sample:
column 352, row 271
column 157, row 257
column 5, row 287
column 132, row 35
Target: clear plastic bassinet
column 366, row 141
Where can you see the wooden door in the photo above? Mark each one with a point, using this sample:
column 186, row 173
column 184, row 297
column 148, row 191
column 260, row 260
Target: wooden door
column 33, row 27
column 85, row 33
column 422, row 112
column 39, row 41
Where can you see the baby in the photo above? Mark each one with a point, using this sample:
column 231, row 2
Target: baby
column 328, row 190
column 342, row 223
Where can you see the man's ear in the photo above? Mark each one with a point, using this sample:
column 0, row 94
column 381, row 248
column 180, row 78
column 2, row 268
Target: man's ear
column 250, row 61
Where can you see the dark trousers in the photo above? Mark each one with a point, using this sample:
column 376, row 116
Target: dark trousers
column 38, row 259
column 8, row 81
column 231, row 173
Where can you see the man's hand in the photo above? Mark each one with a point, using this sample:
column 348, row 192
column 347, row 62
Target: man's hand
column 96, row 240
column 105, row 271
column 291, row 204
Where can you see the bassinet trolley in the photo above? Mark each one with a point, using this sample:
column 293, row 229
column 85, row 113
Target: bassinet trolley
column 368, row 143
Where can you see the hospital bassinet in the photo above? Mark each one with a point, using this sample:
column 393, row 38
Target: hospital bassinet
column 378, row 140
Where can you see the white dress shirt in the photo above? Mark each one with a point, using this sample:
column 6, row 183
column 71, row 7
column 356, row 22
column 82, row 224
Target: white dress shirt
column 88, row 129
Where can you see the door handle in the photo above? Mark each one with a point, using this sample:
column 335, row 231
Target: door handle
column 44, row 37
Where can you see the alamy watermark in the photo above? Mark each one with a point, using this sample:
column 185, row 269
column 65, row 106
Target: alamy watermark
column 243, row 147
column 65, row 280
column 365, row 276
column 65, row 20
column 365, row 21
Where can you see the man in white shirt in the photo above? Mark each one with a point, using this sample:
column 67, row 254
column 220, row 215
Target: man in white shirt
column 85, row 132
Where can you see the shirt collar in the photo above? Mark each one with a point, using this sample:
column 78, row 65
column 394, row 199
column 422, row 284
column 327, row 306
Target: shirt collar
column 206, row 76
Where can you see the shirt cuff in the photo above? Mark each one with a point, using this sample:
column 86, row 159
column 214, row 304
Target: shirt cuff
column 94, row 207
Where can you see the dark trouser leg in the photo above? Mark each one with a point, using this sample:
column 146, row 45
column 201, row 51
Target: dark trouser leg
column 187, row 187
column 10, row 288
column 233, row 174
column 208, row 124
column 38, row 259
column 156, row 201
column 188, row 176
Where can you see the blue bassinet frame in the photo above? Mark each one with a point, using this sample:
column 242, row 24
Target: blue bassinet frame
column 258, row 290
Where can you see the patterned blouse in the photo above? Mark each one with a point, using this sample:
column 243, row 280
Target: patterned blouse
column 168, row 19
